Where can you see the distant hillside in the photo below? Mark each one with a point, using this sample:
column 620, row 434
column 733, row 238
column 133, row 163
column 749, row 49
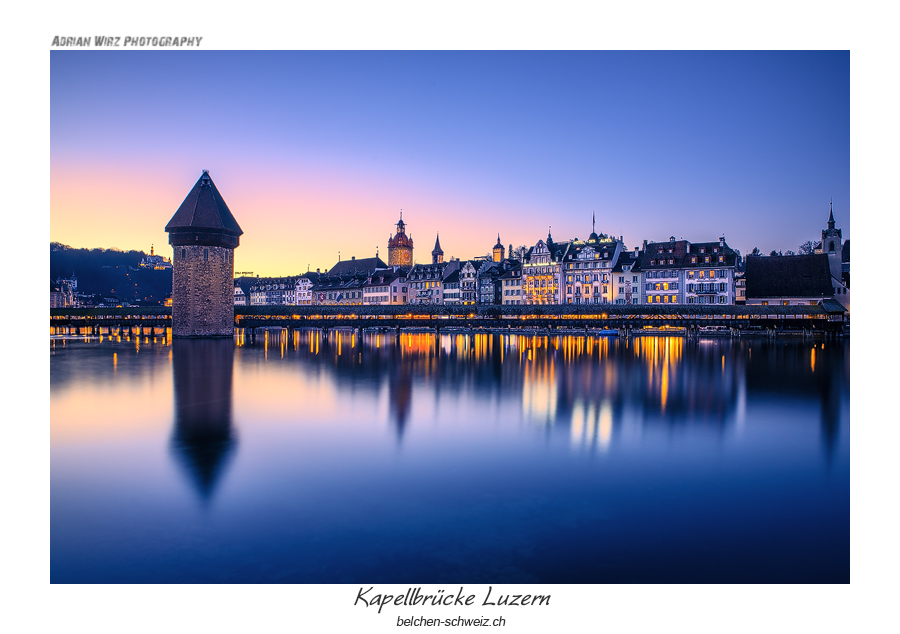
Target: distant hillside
column 110, row 272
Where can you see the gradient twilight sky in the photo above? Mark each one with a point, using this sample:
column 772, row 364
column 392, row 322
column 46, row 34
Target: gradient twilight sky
column 316, row 152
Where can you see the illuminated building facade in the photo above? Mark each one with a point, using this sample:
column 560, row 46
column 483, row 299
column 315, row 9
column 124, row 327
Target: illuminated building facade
column 400, row 246
column 468, row 281
column 450, row 288
column 681, row 272
column 587, row 270
column 426, row 282
column 511, row 286
column 626, row 278
column 719, row 262
column 541, row 272
column 385, row 287
column 273, row 291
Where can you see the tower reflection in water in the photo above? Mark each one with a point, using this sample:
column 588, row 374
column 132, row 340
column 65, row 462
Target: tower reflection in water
column 203, row 438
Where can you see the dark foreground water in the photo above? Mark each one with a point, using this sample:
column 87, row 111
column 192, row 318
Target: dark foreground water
column 442, row 459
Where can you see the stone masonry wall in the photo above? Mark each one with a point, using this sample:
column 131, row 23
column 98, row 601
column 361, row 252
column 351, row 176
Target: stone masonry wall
column 202, row 292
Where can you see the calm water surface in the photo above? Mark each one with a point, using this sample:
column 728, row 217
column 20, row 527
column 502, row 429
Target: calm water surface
column 435, row 459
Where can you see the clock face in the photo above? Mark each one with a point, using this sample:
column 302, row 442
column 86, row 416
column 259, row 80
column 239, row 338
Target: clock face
column 405, row 257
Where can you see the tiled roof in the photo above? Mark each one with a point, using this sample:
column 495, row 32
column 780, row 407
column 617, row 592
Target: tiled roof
column 365, row 266
column 627, row 258
column 204, row 208
column 789, row 276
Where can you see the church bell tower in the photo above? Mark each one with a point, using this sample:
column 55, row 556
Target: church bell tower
column 400, row 246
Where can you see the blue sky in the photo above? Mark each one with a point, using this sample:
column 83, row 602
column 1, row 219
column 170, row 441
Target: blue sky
column 316, row 152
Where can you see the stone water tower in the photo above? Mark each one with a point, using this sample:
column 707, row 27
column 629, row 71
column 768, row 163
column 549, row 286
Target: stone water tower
column 203, row 235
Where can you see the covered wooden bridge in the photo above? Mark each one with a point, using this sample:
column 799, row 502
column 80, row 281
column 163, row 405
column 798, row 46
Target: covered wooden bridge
column 826, row 317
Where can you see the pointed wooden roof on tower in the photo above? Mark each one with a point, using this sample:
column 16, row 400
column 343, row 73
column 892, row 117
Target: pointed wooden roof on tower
column 204, row 208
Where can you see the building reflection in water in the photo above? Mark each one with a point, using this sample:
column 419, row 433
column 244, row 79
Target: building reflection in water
column 203, row 438
column 594, row 390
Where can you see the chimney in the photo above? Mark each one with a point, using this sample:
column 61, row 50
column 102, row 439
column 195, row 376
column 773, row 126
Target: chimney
column 635, row 252
column 645, row 245
column 317, row 271
column 352, row 257
column 671, row 238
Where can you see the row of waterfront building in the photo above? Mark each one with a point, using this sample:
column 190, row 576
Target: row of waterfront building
column 598, row 270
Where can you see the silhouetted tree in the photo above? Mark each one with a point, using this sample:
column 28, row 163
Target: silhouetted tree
column 808, row 247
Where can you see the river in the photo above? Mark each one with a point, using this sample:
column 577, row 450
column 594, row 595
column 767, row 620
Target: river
column 449, row 458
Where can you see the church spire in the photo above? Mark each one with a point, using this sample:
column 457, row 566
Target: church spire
column 831, row 215
column 437, row 255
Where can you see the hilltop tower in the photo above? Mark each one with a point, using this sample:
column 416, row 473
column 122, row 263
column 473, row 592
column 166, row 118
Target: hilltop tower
column 203, row 235
column 499, row 250
column 437, row 255
column 400, row 246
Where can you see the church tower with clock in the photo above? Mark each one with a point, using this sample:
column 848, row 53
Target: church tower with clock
column 400, row 246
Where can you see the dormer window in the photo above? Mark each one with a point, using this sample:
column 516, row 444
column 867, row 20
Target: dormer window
column 671, row 261
column 715, row 249
column 721, row 258
column 652, row 262
column 702, row 250
column 706, row 259
column 693, row 259
column 670, row 250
